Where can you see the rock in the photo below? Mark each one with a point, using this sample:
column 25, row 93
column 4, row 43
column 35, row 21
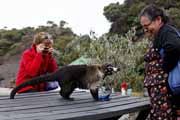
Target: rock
column 5, row 91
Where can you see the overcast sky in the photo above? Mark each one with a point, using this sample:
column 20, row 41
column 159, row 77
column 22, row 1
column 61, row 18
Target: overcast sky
column 81, row 15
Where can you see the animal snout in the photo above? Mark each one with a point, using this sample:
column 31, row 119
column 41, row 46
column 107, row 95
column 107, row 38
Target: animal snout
column 118, row 69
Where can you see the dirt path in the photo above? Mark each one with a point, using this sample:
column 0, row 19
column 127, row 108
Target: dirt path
column 8, row 70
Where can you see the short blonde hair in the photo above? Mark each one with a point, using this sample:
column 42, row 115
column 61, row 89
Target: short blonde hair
column 40, row 37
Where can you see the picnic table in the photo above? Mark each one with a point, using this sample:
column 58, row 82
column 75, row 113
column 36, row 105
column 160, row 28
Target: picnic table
column 51, row 106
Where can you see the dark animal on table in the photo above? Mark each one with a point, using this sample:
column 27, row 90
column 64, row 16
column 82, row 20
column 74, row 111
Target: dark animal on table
column 73, row 76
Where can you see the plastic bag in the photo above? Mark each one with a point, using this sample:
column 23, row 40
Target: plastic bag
column 52, row 85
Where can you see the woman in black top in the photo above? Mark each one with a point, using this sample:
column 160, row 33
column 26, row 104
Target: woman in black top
column 164, row 36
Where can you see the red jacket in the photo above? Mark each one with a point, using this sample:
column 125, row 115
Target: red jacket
column 33, row 64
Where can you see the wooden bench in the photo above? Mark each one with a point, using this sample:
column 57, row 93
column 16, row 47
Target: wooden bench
column 50, row 106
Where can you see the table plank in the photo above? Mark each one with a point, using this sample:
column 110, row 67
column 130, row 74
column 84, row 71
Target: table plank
column 49, row 105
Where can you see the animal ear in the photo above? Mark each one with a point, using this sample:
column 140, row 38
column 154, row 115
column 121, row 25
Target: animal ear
column 108, row 65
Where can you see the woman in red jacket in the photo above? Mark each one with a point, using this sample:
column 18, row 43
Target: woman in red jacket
column 36, row 61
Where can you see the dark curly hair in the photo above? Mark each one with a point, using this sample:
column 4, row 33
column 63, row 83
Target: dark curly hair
column 152, row 12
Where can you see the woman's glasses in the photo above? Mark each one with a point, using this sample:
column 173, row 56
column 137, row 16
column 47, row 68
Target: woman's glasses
column 147, row 25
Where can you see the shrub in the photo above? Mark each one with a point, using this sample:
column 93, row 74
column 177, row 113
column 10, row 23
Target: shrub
column 122, row 52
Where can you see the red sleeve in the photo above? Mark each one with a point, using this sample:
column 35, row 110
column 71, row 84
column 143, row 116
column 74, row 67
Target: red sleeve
column 32, row 63
column 53, row 65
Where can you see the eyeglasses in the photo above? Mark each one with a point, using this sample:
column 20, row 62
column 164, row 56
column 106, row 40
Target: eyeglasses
column 147, row 25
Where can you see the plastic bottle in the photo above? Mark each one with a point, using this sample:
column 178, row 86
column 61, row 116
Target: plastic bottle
column 104, row 94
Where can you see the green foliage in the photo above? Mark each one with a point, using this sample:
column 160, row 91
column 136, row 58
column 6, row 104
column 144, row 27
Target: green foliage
column 15, row 48
column 62, row 41
column 114, row 11
column 4, row 46
column 72, row 48
column 11, row 35
column 176, row 16
column 122, row 52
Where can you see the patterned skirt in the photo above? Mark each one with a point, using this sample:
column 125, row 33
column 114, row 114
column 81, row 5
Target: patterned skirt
column 162, row 107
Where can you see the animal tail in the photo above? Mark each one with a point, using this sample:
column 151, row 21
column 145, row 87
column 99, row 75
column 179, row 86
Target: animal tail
column 40, row 79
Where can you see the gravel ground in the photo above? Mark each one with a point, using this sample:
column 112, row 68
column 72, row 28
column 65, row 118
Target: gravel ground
column 8, row 71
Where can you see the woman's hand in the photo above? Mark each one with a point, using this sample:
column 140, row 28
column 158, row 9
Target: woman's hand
column 50, row 50
column 40, row 48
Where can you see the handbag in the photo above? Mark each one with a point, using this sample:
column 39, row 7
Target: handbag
column 174, row 79
column 174, row 74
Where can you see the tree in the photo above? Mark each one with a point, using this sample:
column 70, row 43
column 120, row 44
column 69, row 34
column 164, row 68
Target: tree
column 50, row 23
column 125, row 16
column 62, row 24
